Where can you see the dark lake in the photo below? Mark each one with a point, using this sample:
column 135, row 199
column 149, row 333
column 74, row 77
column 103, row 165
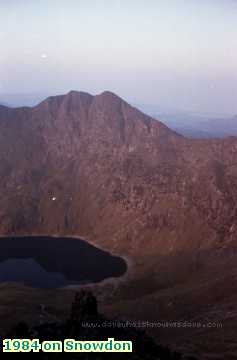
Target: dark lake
column 49, row 262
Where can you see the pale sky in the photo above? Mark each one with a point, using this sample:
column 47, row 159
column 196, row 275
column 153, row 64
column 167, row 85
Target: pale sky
column 171, row 53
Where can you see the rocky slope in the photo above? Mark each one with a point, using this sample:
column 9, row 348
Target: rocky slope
column 86, row 323
column 95, row 167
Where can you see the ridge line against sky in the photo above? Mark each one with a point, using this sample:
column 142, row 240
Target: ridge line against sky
column 174, row 54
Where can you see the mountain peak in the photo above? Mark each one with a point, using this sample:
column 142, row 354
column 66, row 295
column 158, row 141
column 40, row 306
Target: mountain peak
column 76, row 93
column 110, row 96
column 108, row 93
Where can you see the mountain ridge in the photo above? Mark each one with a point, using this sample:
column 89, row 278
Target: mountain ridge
column 128, row 184
column 104, row 120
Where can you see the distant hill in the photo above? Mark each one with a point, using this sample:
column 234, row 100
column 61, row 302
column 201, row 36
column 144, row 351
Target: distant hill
column 200, row 127
column 186, row 124
column 18, row 100
column 3, row 103
column 222, row 127
column 192, row 124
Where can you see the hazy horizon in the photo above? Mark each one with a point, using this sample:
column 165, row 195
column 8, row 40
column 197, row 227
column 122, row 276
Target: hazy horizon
column 33, row 99
column 173, row 55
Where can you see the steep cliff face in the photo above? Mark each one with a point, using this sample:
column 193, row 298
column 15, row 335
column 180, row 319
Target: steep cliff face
column 95, row 167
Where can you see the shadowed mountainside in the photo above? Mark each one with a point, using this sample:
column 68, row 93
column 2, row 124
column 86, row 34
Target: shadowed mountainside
column 85, row 323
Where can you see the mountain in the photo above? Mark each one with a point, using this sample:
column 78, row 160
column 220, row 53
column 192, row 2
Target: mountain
column 222, row 127
column 16, row 100
column 128, row 184
column 200, row 127
column 189, row 125
column 3, row 103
